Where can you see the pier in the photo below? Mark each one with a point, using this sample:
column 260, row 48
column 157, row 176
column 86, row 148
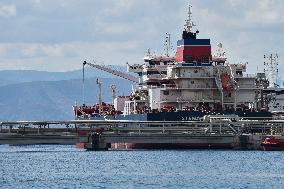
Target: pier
column 212, row 132
column 37, row 132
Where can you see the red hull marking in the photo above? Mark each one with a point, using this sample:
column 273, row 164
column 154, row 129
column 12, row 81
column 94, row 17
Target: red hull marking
column 80, row 145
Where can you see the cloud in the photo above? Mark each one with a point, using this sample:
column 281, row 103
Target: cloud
column 7, row 10
column 60, row 34
column 65, row 56
column 29, row 50
column 267, row 12
column 4, row 50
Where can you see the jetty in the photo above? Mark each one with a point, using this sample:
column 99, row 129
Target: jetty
column 221, row 132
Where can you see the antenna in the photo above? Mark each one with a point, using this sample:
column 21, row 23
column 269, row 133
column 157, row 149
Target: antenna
column 148, row 51
column 220, row 51
column 271, row 69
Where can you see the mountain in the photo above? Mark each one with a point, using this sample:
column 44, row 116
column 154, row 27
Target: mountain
column 52, row 100
column 41, row 95
column 18, row 76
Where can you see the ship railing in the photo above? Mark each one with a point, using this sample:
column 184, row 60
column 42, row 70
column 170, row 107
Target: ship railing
column 127, row 127
column 190, row 87
column 190, row 100
column 153, row 76
column 220, row 126
column 245, row 75
column 246, row 86
column 190, row 75
column 182, row 128
column 172, row 86
column 207, row 86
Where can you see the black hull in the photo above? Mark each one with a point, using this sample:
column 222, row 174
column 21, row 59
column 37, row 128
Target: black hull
column 184, row 116
column 198, row 115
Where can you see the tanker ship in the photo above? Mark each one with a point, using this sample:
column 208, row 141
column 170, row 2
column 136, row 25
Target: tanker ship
column 184, row 87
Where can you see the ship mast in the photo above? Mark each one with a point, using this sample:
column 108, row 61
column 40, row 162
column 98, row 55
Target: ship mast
column 100, row 94
column 113, row 91
column 189, row 23
column 271, row 69
column 168, row 44
column 83, row 85
column 187, row 32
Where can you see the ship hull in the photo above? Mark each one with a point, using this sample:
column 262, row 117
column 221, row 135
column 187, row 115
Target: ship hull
column 273, row 147
column 129, row 146
column 272, row 144
column 181, row 116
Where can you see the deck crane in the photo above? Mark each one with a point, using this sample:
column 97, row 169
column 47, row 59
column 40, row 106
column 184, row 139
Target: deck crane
column 112, row 71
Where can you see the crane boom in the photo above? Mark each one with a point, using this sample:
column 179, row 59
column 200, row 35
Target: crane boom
column 114, row 72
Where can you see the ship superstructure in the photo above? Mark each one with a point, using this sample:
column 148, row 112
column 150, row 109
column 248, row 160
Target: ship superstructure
column 189, row 85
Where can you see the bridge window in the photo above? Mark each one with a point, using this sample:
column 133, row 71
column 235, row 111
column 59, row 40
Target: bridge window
column 238, row 72
column 205, row 59
column 188, row 58
column 150, row 72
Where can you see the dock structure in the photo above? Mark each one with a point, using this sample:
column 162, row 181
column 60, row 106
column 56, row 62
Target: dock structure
column 37, row 132
column 212, row 132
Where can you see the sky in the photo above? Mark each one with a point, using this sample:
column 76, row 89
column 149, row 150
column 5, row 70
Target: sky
column 58, row 35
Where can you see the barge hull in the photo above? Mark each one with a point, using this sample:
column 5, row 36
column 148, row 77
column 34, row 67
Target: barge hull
column 170, row 146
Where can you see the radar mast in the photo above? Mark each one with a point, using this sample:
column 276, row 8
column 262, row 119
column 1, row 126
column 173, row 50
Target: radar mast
column 188, row 33
column 189, row 23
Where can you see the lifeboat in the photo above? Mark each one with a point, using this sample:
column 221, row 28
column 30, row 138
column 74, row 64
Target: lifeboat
column 272, row 144
column 226, row 82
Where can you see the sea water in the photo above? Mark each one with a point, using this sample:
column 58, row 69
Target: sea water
column 56, row 166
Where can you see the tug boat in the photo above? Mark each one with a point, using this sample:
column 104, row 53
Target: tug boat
column 272, row 144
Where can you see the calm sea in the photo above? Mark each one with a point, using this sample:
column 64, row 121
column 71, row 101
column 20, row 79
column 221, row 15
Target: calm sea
column 44, row 166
